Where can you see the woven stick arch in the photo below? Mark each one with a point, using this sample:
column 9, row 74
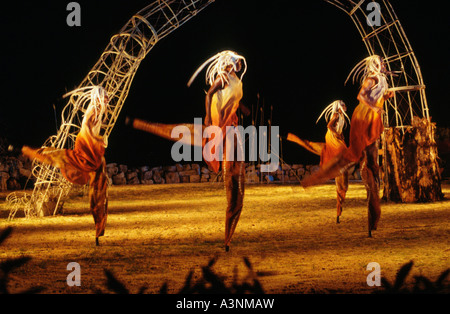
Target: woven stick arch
column 408, row 128
column 389, row 40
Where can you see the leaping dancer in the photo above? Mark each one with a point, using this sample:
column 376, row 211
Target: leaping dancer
column 85, row 163
column 222, row 101
column 365, row 130
column 335, row 115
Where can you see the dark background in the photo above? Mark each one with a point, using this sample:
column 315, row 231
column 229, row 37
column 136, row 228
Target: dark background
column 299, row 54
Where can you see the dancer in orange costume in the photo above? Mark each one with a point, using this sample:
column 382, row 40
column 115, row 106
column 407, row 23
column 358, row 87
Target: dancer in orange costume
column 85, row 163
column 366, row 128
column 222, row 101
column 334, row 145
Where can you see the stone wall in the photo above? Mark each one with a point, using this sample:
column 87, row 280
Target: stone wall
column 197, row 173
column 15, row 173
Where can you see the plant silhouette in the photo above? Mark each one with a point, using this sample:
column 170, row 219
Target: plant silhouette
column 209, row 283
column 421, row 284
column 212, row 283
column 8, row 266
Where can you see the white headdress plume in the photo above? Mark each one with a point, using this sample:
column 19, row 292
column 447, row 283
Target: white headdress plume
column 336, row 107
column 370, row 66
column 218, row 64
column 94, row 101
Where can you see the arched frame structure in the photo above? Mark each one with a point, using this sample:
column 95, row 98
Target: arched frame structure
column 410, row 158
column 387, row 38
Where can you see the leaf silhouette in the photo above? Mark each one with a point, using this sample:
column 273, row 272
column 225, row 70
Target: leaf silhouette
column 257, row 287
column 266, row 273
column 11, row 264
column 115, row 285
column 5, row 234
column 163, row 289
column 442, row 277
column 217, row 283
column 386, row 284
column 401, row 275
column 247, row 263
column 424, row 282
column 187, row 283
column 421, row 285
column 212, row 261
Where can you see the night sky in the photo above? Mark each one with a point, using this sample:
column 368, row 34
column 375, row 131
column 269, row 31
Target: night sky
column 298, row 59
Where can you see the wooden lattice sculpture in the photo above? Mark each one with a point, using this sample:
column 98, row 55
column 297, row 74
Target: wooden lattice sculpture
column 114, row 71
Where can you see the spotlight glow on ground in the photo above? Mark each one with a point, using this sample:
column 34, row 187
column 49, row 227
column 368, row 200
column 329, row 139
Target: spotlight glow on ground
column 158, row 233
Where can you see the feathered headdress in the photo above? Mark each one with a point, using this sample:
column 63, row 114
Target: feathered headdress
column 218, row 64
column 93, row 100
column 370, row 66
column 331, row 109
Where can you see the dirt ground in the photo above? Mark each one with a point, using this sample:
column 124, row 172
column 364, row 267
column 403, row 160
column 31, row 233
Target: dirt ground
column 156, row 234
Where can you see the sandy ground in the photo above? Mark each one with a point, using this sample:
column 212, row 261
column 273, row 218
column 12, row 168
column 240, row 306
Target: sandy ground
column 157, row 234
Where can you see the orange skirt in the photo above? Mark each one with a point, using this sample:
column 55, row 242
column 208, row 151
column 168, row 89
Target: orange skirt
column 333, row 147
column 84, row 164
column 86, row 157
column 366, row 129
